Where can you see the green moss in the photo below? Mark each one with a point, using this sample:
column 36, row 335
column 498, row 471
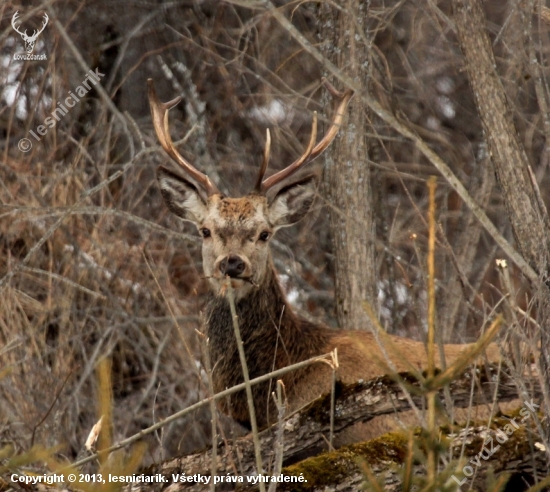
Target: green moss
column 517, row 443
column 330, row 468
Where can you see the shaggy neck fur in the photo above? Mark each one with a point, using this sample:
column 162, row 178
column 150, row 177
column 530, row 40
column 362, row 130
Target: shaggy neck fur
column 273, row 337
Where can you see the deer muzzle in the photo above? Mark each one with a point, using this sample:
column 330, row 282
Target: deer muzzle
column 232, row 266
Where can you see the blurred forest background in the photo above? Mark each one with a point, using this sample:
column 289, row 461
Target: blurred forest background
column 92, row 264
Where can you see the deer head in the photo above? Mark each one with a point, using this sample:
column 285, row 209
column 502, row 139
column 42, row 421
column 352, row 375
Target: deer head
column 29, row 40
column 236, row 231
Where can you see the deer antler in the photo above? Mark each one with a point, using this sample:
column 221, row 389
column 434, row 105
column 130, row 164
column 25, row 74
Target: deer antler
column 159, row 113
column 265, row 162
column 312, row 151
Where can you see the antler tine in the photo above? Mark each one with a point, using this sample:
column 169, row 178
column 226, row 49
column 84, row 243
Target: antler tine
column 313, row 150
column 287, row 171
column 343, row 99
column 265, row 162
column 159, row 113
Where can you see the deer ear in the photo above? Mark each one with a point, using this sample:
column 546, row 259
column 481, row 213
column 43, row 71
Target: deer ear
column 181, row 196
column 293, row 202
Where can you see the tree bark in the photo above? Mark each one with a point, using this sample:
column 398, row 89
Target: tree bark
column 527, row 214
column 512, row 168
column 347, row 173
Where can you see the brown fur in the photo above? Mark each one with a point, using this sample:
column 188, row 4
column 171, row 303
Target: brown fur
column 231, row 208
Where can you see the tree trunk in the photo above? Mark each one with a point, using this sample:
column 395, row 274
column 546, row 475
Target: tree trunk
column 527, row 214
column 347, row 173
column 529, row 222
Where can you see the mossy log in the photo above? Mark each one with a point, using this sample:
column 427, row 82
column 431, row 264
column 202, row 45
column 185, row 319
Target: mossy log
column 520, row 458
column 305, row 437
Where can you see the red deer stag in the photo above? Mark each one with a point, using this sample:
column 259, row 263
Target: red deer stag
column 236, row 233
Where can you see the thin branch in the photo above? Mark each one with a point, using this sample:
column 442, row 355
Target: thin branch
column 248, row 387
column 280, row 403
column 431, row 395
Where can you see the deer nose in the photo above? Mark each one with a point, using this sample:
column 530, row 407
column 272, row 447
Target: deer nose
column 232, row 266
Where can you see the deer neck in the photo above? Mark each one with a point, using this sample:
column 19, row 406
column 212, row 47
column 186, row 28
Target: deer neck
column 273, row 335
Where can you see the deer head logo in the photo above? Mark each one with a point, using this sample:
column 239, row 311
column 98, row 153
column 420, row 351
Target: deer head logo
column 29, row 40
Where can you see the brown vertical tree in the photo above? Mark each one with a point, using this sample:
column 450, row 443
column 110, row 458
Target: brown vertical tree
column 527, row 214
column 347, row 175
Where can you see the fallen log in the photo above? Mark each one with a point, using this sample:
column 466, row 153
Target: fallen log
column 305, row 434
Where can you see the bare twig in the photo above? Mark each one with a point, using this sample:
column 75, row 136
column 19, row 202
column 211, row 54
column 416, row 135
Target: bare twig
column 280, row 403
column 431, row 396
column 333, row 398
column 248, row 387
column 213, row 410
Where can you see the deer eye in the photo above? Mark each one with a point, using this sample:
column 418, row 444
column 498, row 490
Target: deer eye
column 205, row 232
column 264, row 236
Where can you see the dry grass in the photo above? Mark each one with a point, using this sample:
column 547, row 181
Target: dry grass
column 93, row 290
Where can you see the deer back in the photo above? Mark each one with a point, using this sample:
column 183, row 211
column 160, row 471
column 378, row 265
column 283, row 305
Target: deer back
column 362, row 356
